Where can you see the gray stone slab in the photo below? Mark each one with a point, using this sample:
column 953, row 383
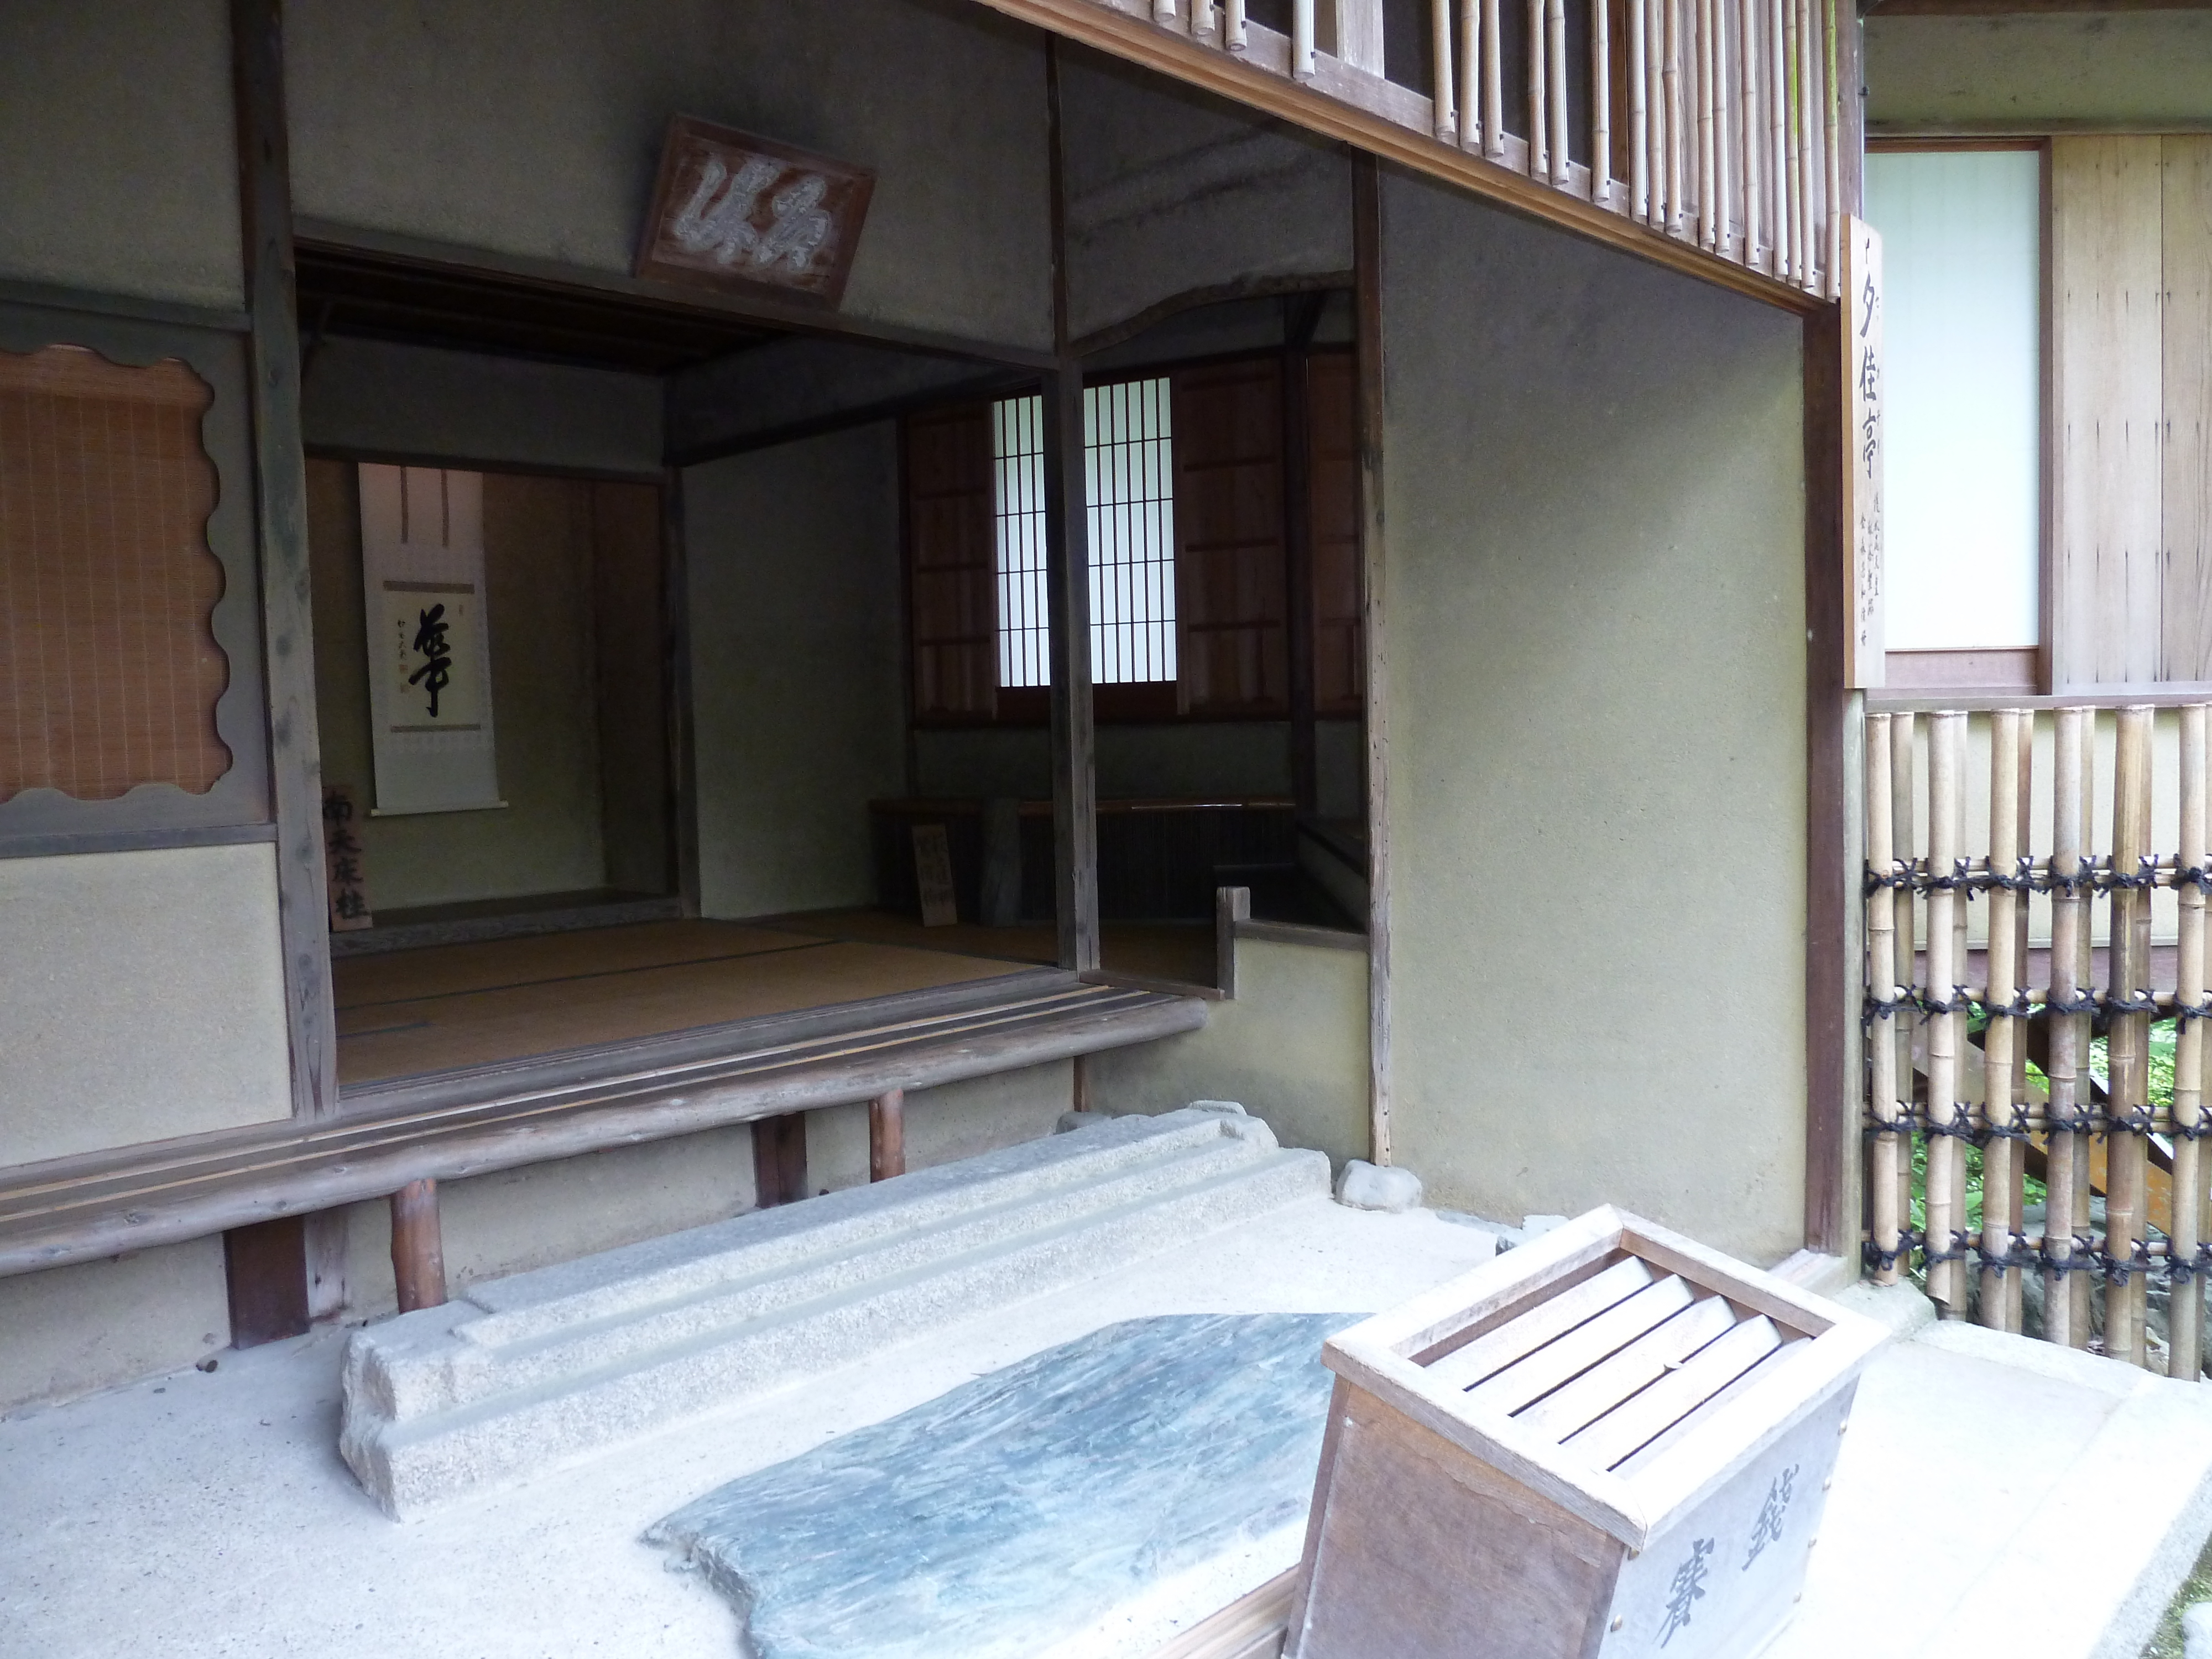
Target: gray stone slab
column 1022, row 1508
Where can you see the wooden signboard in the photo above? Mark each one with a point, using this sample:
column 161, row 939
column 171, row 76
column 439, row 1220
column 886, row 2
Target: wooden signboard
column 1863, row 644
column 732, row 210
column 342, row 874
column 933, row 875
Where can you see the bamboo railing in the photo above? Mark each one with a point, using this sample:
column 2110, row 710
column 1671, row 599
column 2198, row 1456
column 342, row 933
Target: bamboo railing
column 1712, row 122
column 2075, row 941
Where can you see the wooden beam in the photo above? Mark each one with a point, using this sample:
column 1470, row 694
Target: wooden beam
column 779, row 1160
column 1352, row 109
column 265, row 1281
column 1368, row 412
column 1067, row 597
column 887, row 1135
column 418, row 1249
column 281, row 494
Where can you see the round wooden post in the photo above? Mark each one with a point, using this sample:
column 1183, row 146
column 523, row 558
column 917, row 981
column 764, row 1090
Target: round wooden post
column 418, row 1253
column 887, row 1135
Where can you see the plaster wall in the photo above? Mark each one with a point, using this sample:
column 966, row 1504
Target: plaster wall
column 537, row 580
column 145, row 1000
column 119, row 172
column 377, row 399
column 532, row 128
column 1291, row 1047
column 2039, row 73
column 793, row 565
column 1594, row 692
column 1171, row 191
column 1241, row 757
column 72, row 1330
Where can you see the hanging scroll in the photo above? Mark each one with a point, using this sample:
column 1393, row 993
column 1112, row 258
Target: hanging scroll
column 1862, row 455
column 429, row 662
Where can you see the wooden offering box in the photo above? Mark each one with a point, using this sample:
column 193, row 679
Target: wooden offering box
column 1610, row 1442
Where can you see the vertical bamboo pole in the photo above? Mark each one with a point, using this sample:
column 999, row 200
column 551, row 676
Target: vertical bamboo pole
column 1786, row 93
column 1232, row 25
column 1671, row 73
column 2185, row 1304
column 1747, row 79
column 1555, row 70
column 2016, row 1280
column 1301, row 39
column 418, row 1251
column 1833, row 95
column 1205, row 19
column 1539, row 125
column 2127, row 1037
column 1956, row 1107
column 1639, row 118
column 1707, row 188
column 2065, row 1310
column 1654, row 97
column 1445, row 83
column 1946, row 737
column 1472, row 132
column 1493, row 84
column 1808, row 146
column 1601, row 100
column 2001, row 1039
column 1904, row 844
column 1882, row 987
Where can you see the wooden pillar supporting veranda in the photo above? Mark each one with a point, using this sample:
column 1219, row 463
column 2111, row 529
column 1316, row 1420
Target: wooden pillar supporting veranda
column 418, row 1251
column 887, row 1135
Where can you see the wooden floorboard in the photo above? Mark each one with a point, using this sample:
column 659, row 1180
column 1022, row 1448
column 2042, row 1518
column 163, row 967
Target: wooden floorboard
column 444, row 969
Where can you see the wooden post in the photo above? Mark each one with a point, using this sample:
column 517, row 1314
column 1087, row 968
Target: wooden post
column 1068, row 590
column 2128, row 1039
column 779, row 1160
column 280, row 482
column 1367, row 261
column 418, row 1251
column 1946, row 1223
column 887, row 1135
column 1230, row 906
column 2185, row 1302
column 1887, row 1223
column 2004, row 1033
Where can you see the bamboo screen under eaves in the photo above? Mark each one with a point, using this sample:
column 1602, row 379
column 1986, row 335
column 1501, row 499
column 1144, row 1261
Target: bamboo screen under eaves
column 2036, row 1000
column 109, row 671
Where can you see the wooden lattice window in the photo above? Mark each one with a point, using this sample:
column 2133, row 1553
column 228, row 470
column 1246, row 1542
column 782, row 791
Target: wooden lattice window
column 1228, row 496
column 109, row 669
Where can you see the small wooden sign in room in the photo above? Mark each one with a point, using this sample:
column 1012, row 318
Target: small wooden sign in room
column 730, row 209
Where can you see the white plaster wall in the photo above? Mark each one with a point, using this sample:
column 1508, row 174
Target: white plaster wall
column 1595, row 696
column 794, row 564
column 70, row 1331
column 957, row 1120
column 1170, row 190
column 377, row 398
column 532, row 128
column 1291, row 1047
column 2031, row 73
column 119, row 172
column 141, row 997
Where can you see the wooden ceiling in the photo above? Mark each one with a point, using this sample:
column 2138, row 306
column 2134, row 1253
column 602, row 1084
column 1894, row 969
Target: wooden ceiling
column 365, row 295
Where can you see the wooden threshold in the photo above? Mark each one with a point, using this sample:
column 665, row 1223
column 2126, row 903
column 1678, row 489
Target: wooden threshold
column 78, row 1209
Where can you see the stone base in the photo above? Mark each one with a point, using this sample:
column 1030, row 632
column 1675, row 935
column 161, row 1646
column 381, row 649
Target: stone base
column 532, row 1369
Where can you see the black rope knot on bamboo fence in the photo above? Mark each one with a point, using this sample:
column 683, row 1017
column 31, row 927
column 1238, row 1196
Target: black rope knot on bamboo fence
column 2019, row 1008
column 2119, row 1270
column 2141, row 1000
column 2136, row 1120
column 2081, row 1256
column 2015, row 1130
column 2197, row 1130
column 1960, row 1003
column 1904, row 1126
column 2198, row 876
column 2017, row 1253
column 2082, row 1123
column 1900, row 875
column 2186, row 1268
column 1878, row 1008
column 2146, row 874
column 1962, row 1124
column 1881, row 1260
column 2022, row 881
column 2081, row 1002
column 2084, row 878
column 1963, row 1245
column 2185, row 1011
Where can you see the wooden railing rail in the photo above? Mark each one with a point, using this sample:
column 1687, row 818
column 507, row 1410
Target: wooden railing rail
column 2091, row 907
column 1711, row 123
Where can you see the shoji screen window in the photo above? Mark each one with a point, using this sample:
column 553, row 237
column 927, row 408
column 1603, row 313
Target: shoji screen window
column 1129, row 483
column 1962, row 232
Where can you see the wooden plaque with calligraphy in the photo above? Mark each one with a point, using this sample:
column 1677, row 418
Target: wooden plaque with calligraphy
column 1863, row 640
column 343, row 855
column 730, row 210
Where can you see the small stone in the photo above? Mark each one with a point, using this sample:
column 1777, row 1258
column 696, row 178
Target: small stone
column 1535, row 1226
column 2196, row 1631
column 1229, row 1108
column 1364, row 1186
column 1071, row 1121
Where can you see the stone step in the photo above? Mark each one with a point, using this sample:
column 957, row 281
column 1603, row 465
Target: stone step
column 525, row 1370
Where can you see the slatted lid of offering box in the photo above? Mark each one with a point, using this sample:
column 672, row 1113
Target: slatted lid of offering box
column 1621, row 1369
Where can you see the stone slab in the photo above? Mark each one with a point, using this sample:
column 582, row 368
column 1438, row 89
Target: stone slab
column 1010, row 1516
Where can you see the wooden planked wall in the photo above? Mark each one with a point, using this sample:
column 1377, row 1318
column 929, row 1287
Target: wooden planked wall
column 2131, row 317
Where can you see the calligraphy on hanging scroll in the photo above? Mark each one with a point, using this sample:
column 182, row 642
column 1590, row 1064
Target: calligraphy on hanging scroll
column 1863, row 644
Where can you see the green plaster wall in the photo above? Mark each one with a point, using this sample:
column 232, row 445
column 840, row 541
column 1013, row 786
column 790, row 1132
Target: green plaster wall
column 1595, row 691
column 2148, row 70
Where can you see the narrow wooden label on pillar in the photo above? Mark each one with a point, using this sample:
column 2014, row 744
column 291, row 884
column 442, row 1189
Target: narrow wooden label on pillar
column 1864, row 645
column 342, row 860
column 933, row 875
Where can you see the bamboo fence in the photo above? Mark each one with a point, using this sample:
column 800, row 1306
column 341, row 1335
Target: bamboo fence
column 1718, row 124
column 2069, row 954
